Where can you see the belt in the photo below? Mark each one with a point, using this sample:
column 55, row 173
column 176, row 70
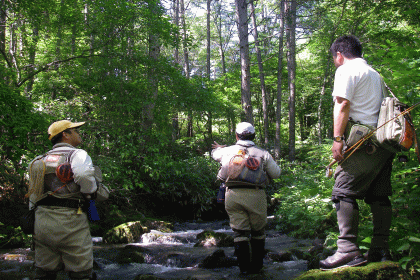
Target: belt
column 60, row 202
column 245, row 187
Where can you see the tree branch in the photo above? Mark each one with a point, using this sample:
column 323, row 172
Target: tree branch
column 47, row 66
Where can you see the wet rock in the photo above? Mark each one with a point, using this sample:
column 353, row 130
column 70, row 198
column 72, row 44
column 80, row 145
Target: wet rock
column 157, row 237
column 377, row 271
column 299, row 254
column 125, row 233
column 280, row 256
column 174, row 258
column 317, row 253
column 147, row 277
column 131, row 254
column 210, row 238
column 218, row 259
column 130, row 257
column 159, row 225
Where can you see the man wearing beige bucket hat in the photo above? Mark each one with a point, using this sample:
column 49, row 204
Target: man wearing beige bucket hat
column 62, row 236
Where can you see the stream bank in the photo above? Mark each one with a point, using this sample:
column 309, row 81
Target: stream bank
column 173, row 256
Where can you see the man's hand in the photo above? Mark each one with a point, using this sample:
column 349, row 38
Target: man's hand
column 337, row 150
column 217, row 145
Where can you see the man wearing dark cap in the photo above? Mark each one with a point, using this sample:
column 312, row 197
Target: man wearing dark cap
column 62, row 237
column 245, row 170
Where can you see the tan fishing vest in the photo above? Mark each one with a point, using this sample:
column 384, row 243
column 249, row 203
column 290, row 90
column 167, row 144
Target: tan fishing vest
column 239, row 174
column 51, row 182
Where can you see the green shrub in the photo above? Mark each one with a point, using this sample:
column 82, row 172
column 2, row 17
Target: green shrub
column 307, row 211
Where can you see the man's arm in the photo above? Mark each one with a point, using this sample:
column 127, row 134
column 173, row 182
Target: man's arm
column 83, row 171
column 272, row 168
column 215, row 153
column 341, row 117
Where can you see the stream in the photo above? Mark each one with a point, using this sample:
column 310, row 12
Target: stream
column 171, row 256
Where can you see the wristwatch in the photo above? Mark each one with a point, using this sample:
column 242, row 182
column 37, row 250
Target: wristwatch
column 338, row 138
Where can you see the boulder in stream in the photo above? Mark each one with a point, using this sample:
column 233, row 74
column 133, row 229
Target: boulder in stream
column 161, row 226
column 218, row 259
column 125, row 233
column 131, row 254
column 210, row 238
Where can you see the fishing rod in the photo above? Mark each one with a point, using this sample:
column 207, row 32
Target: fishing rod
column 328, row 172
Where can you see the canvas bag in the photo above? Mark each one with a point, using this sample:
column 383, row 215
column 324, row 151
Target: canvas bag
column 356, row 131
column 399, row 134
column 245, row 169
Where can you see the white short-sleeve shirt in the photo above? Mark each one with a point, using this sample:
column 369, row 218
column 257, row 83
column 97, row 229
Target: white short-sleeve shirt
column 359, row 83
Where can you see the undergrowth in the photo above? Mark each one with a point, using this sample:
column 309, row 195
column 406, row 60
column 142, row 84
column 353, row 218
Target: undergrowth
column 306, row 210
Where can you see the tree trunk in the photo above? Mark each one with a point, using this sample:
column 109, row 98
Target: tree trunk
column 32, row 53
column 209, row 113
column 175, row 118
column 277, row 150
column 3, row 18
column 261, row 70
column 291, row 68
column 242, row 16
column 218, row 25
column 186, row 64
column 154, row 52
column 321, row 98
column 208, row 40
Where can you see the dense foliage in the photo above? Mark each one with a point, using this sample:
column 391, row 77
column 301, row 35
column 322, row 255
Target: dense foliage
column 306, row 209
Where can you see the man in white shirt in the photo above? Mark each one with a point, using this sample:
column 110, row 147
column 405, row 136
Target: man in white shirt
column 363, row 175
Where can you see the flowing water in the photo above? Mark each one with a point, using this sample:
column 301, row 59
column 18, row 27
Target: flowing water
column 170, row 256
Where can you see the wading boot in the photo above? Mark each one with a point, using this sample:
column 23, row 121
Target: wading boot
column 258, row 252
column 243, row 254
column 379, row 248
column 41, row 274
column 348, row 253
column 85, row 275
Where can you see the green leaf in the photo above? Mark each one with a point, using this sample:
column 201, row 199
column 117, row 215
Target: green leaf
column 414, row 239
column 404, row 247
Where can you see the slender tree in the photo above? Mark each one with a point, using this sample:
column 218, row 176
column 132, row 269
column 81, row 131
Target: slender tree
column 291, row 69
column 242, row 17
column 261, row 71
column 279, row 81
column 208, row 64
column 186, row 63
column 175, row 118
column 3, row 18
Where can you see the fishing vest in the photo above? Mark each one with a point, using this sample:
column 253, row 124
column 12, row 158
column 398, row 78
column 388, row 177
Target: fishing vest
column 246, row 167
column 52, row 183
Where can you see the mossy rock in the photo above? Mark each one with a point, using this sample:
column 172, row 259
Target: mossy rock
column 161, row 226
column 210, row 238
column 125, row 233
column 126, row 257
column 218, row 259
column 377, row 271
column 131, row 254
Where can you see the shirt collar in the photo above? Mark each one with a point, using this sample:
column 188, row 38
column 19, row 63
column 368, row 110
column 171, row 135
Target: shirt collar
column 61, row 145
column 246, row 143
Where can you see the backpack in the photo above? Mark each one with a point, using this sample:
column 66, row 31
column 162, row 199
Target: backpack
column 396, row 131
column 246, row 169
